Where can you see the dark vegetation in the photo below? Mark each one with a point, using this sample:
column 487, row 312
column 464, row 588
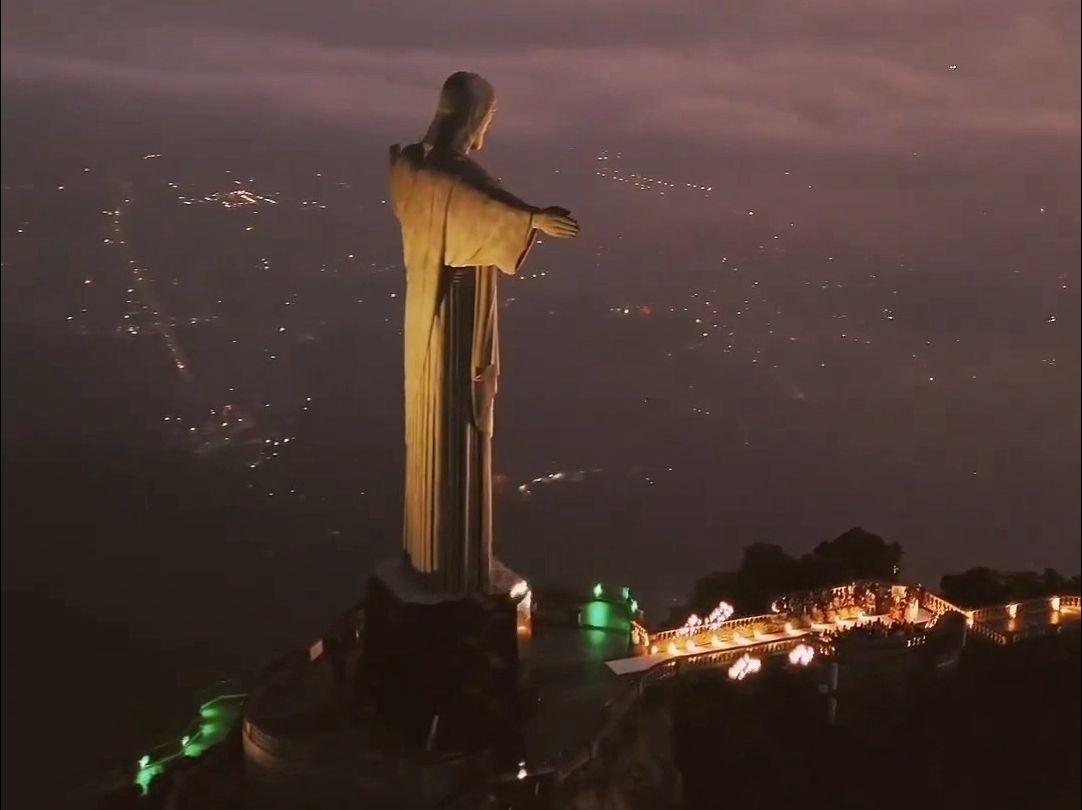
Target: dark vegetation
column 1002, row 732
column 985, row 586
column 767, row 570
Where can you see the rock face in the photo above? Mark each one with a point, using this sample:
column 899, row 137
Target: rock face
column 637, row 768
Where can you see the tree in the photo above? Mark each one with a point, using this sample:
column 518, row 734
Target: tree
column 856, row 554
column 974, row 587
column 980, row 586
column 767, row 570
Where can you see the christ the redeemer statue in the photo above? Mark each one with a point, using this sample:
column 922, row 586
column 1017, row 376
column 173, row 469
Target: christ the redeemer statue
column 459, row 231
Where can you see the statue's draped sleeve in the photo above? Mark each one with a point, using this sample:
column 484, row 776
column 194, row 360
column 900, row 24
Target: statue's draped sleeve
column 486, row 227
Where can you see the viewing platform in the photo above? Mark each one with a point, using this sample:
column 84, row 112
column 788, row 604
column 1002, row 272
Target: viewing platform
column 583, row 670
column 776, row 633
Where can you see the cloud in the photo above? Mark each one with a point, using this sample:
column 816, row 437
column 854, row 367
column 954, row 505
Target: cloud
column 841, row 75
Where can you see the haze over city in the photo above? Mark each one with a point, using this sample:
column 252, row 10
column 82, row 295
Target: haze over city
column 827, row 277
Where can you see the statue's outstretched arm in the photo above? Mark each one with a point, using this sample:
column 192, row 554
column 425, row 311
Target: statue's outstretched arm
column 487, row 226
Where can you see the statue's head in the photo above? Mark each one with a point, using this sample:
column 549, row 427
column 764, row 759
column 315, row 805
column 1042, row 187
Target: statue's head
column 464, row 115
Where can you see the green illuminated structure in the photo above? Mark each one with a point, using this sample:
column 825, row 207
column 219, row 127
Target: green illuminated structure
column 216, row 717
column 609, row 613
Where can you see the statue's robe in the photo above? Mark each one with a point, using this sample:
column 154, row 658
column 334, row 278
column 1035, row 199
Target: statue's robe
column 459, row 231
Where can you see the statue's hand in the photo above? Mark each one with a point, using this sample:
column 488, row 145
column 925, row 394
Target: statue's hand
column 556, row 222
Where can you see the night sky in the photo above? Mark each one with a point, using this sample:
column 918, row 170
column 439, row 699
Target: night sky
column 828, row 275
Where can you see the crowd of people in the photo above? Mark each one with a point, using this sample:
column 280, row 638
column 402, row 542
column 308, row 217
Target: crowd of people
column 887, row 629
column 861, row 598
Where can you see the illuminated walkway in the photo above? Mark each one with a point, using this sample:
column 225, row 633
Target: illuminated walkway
column 218, row 714
column 1000, row 624
column 670, row 644
column 738, row 646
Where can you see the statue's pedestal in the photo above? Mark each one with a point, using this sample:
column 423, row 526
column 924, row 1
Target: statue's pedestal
column 311, row 741
column 440, row 672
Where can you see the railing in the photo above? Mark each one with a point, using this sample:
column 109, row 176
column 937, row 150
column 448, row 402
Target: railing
column 221, row 690
column 731, row 624
column 617, row 710
column 1040, row 631
column 938, row 605
column 279, row 670
column 931, row 602
column 277, row 747
column 978, row 618
column 192, row 739
column 710, row 659
column 988, row 633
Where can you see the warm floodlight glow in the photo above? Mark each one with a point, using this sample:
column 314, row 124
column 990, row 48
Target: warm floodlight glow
column 801, row 655
column 744, row 666
column 713, row 620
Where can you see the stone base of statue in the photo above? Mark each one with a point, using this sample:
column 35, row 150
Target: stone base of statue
column 412, row 697
column 440, row 672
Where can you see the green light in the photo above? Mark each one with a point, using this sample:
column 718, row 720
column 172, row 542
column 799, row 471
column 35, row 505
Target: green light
column 600, row 614
column 146, row 776
column 217, row 717
column 625, row 593
column 634, row 606
column 598, row 590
